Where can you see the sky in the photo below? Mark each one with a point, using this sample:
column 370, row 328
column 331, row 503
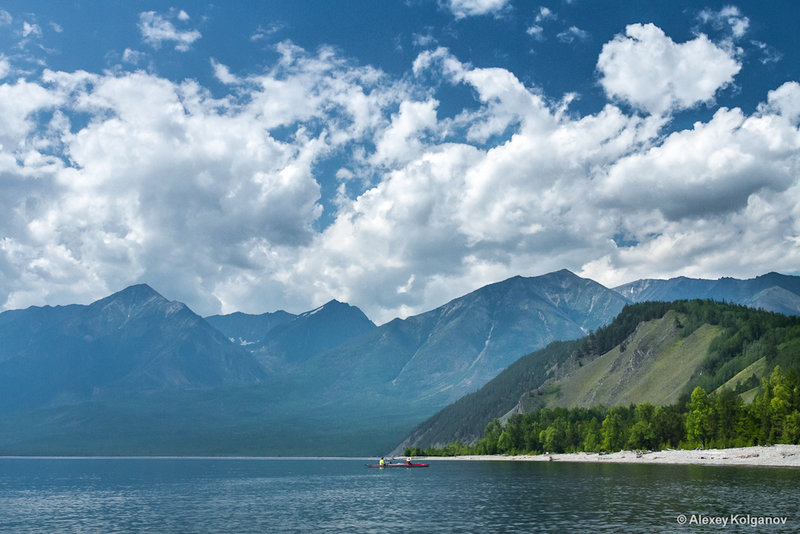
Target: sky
column 254, row 156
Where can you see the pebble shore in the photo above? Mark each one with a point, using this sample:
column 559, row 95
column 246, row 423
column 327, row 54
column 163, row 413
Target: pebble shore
column 773, row 456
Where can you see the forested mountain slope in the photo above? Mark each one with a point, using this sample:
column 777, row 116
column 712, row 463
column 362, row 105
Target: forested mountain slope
column 652, row 352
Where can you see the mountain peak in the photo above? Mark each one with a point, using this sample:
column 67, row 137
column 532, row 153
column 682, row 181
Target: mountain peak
column 333, row 306
column 138, row 292
column 136, row 300
column 562, row 274
column 558, row 277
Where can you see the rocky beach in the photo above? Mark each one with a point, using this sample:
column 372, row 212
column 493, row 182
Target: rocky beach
column 768, row 456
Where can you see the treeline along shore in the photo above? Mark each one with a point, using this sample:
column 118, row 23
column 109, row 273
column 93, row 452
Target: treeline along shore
column 718, row 421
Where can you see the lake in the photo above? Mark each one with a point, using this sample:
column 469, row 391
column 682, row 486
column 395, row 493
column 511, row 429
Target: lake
column 172, row 495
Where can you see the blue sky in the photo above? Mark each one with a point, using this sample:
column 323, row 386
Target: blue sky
column 251, row 156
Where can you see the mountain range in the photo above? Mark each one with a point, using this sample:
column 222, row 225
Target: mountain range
column 137, row 373
column 772, row 292
column 281, row 341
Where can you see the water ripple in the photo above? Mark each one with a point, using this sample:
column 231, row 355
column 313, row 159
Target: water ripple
column 222, row 495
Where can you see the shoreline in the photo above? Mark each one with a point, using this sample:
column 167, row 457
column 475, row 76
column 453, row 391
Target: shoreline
column 766, row 455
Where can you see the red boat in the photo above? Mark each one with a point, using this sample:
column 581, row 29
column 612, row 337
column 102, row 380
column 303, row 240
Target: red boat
column 398, row 465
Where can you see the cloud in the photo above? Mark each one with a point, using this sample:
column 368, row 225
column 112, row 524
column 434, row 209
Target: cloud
column 768, row 54
column 157, row 29
column 263, row 33
column 545, row 14
column 402, row 140
column 19, row 103
column 536, row 31
column 31, row 30
column 709, row 171
column 557, row 192
column 423, row 40
column 506, row 100
column 471, row 8
column 456, row 216
column 651, row 72
column 572, row 34
column 163, row 180
column 164, row 183
column 222, row 73
column 215, row 198
column 134, row 57
column 728, row 18
column 784, row 101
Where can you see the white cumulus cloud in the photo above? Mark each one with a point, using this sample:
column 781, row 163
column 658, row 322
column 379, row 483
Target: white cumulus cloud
column 652, row 72
column 471, row 8
column 216, row 199
column 785, row 101
column 401, row 140
column 157, row 29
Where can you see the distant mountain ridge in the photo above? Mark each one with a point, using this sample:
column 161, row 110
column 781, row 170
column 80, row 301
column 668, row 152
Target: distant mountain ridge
column 324, row 328
column 246, row 329
column 330, row 372
column 771, row 292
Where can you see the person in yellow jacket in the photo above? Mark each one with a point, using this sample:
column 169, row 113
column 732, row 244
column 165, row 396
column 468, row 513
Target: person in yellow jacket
column 382, row 462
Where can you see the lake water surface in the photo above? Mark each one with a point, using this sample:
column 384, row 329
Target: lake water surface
column 187, row 495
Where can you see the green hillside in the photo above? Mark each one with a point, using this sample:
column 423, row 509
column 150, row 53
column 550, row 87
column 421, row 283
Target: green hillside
column 653, row 352
column 694, row 343
column 655, row 364
column 746, row 382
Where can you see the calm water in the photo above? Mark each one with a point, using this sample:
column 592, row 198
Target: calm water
column 267, row 495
